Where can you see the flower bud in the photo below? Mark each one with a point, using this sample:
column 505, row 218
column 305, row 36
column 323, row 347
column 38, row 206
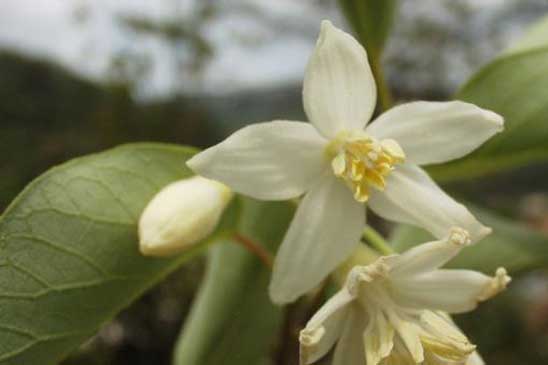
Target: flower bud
column 183, row 213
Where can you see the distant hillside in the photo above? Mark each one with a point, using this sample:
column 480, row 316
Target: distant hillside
column 49, row 115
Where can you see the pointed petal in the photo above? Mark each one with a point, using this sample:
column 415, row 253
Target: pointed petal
column 339, row 91
column 325, row 230
column 378, row 338
column 272, row 161
column 428, row 256
column 350, row 348
column 408, row 332
column 412, row 197
column 433, row 132
column 442, row 339
column 452, row 291
column 324, row 328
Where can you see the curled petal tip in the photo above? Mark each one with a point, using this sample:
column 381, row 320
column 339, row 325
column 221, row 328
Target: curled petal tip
column 309, row 338
column 459, row 236
column 497, row 284
column 366, row 274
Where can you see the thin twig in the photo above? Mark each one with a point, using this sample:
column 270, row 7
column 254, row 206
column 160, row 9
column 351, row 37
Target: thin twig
column 255, row 249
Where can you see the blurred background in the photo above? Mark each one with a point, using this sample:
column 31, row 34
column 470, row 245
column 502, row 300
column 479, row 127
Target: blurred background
column 80, row 76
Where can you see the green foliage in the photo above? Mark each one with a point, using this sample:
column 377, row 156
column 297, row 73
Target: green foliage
column 232, row 320
column 49, row 115
column 69, row 257
column 371, row 20
column 512, row 245
column 514, row 85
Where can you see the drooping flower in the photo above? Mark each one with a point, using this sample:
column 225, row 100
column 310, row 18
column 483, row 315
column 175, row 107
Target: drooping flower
column 339, row 162
column 395, row 310
column 181, row 214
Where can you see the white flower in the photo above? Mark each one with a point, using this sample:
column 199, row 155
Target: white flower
column 181, row 214
column 394, row 311
column 339, row 162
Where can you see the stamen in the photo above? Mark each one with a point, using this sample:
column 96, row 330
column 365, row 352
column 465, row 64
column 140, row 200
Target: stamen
column 363, row 162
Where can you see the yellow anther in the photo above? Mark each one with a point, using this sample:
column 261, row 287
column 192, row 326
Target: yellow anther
column 364, row 162
column 375, row 178
column 361, row 193
column 373, row 156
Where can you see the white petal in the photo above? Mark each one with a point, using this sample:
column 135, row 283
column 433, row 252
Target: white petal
column 452, row 291
column 443, row 338
column 475, row 359
column 272, row 161
column 427, row 256
column 325, row 230
column 339, row 91
column 350, row 348
column 324, row 328
column 409, row 333
column 378, row 339
column 433, row 132
column 412, row 197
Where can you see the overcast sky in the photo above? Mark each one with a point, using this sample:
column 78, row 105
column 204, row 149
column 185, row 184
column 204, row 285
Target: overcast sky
column 86, row 34
column 255, row 42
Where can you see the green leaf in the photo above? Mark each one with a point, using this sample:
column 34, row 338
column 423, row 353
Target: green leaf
column 232, row 320
column 516, row 247
column 69, row 257
column 371, row 20
column 514, row 86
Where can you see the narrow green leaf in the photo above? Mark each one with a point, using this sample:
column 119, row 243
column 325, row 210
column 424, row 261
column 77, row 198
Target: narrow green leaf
column 514, row 85
column 512, row 245
column 232, row 321
column 69, row 257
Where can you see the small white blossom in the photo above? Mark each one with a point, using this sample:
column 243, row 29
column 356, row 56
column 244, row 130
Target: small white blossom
column 181, row 214
column 394, row 311
column 339, row 161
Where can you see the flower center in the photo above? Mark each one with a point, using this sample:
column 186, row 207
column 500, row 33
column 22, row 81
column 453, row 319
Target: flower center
column 363, row 162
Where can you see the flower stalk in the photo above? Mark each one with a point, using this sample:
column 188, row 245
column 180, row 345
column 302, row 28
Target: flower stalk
column 376, row 241
column 254, row 248
column 386, row 100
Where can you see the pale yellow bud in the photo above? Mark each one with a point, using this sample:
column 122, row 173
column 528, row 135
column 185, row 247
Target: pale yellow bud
column 183, row 213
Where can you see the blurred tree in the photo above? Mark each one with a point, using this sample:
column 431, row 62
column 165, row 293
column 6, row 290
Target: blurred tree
column 49, row 115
